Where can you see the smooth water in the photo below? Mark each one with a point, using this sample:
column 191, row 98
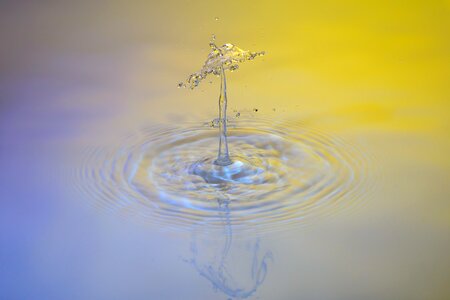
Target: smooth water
column 338, row 138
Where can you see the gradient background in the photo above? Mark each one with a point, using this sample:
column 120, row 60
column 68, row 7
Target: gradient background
column 73, row 73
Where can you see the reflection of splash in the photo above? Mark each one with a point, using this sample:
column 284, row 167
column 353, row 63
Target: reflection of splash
column 237, row 268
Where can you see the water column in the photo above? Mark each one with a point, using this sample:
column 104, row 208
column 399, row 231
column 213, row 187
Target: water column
column 223, row 157
column 226, row 57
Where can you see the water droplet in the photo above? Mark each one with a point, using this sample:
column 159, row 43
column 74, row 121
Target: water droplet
column 214, row 123
column 255, row 110
column 216, row 18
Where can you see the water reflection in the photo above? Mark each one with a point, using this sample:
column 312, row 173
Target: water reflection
column 235, row 267
column 299, row 173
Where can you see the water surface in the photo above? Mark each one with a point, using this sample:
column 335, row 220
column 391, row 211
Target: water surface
column 349, row 105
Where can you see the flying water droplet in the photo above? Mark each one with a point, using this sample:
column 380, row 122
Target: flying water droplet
column 214, row 123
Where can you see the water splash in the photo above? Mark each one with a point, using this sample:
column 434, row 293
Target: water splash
column 220, row 59
column 225, row 57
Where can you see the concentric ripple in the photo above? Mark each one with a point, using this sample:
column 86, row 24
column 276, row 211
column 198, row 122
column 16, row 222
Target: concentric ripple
column 282, row 174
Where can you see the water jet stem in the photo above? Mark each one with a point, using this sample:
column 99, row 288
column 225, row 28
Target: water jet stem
column 223, row 157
